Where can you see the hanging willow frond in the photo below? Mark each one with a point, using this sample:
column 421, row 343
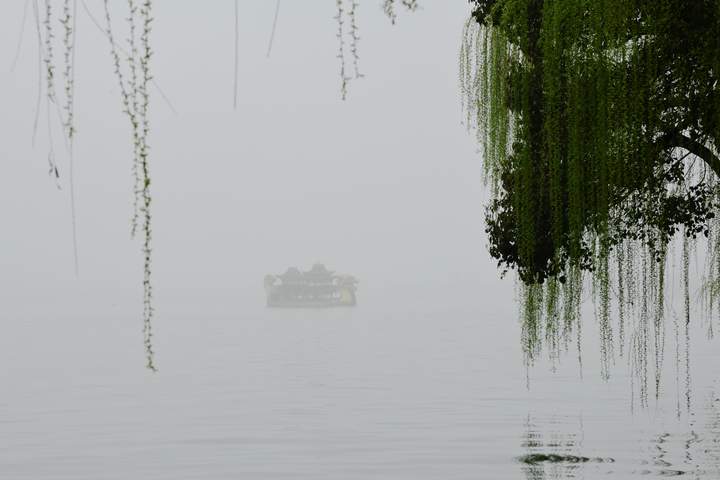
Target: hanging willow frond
column 599, row 136
column 134, row 92
column 344, row 79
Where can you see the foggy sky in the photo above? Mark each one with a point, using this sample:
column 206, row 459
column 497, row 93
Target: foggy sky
column 386, row 185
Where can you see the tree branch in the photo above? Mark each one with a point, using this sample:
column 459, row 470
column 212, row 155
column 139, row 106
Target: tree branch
column 678, row 140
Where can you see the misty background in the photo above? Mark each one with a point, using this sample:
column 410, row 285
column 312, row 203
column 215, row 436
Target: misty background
column 423, row 379
column 386, row 185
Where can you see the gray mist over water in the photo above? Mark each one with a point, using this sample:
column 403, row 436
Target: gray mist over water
column 423, row 379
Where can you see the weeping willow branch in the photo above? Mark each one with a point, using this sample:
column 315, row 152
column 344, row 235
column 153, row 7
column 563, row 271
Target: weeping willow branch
column 119, row 48
column 133, row 104
column 48, row 58
column 63, row 102
column 344, row 79
column 69, row 23
column 136, row 101
column 389, row 8
column 696, row 148
column 36, row 117
column 354, row 38
column 686, row 313
column 148, row 311
column 349, row 15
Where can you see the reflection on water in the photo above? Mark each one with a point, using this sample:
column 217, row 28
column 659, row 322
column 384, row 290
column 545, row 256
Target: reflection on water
column 554, row 449
column 696, row 451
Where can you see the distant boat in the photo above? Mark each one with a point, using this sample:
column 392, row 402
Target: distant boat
column 318, row 287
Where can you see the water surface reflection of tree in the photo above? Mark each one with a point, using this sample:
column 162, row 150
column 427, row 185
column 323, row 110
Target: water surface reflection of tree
column 554, row 447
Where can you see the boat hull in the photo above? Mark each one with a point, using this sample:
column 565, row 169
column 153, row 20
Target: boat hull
column 278, row 298
column 308, row 304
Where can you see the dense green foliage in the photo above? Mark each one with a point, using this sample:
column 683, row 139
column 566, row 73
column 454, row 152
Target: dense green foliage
column 599, row 122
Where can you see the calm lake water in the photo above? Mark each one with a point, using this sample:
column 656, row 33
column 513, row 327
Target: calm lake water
column 417, row 382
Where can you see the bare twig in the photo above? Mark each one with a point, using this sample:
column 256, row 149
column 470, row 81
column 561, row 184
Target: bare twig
column 274, row 25
column 20, row 37
column 237, row 46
